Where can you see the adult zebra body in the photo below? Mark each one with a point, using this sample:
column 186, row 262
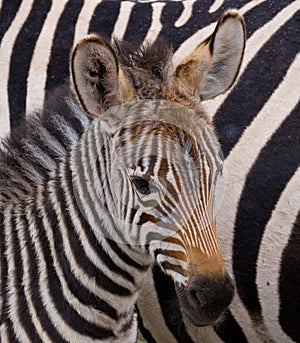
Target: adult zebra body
column 261, row 113
column 86, row 208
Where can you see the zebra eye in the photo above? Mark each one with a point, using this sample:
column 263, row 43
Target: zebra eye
column 141, row 185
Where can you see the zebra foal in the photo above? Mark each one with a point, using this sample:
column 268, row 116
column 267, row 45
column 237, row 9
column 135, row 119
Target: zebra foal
column 87, row 205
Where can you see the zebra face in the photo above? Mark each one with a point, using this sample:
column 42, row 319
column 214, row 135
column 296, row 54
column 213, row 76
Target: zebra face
column 163, row 179
column 164, row 153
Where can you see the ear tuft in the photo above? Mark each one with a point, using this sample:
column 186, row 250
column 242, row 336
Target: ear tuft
column 96, row 76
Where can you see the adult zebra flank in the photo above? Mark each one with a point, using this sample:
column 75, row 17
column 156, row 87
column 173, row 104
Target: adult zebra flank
column 87, row 206
column 258, row 127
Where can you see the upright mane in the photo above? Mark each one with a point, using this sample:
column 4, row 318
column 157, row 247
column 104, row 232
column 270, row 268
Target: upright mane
column 150, row 58
column 35, row 147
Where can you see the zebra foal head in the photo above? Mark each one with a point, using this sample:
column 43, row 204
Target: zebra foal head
column 163, row 154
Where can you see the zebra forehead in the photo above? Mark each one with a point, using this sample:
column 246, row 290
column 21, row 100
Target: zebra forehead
column 147, row 128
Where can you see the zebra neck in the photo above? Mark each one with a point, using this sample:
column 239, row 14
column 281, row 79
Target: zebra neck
column 100, row 279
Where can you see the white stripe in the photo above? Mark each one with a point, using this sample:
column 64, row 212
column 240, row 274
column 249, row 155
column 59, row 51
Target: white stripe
column 123, row 19
column 6, row 49
column 27, row 288
column 250, row 5
column 186, row 13
column 215, row 6
column 253, row 45
column 37, row 75
column 156, row 25
column 274, row 241
column 87, row 312
column 243, row 155
column 203, row 334
column 87, row 249
column 118, row 302
column 12, row 293
column 190, row 44
column 239, row 163
column 153, row 320
column 44, row 292
column 4, row 332
column 84, row 20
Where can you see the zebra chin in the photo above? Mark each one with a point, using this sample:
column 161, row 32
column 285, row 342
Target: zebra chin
column 204, row 300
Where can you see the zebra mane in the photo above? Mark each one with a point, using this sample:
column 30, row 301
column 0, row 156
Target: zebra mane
column 35, row 147
column 150, row 58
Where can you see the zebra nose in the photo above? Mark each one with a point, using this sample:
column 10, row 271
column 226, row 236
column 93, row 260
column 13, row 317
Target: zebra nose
column 207, row 298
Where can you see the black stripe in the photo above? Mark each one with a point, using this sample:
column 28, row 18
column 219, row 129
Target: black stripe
column 101, row 279
column 123, row 256
column 261, row 77
column 67, row 312
column 4, row 268
column 58, row 67
column 34, row 285
column 92, row 240
column 289, row 290
column 199, row 18
column 90, row 201
column 260, row 15
column 170, row 14
column 11, row 334
column 272, row 170
column 21, row 59
column 105, row 159
column 23, row 311
column 141, row 18
column 229, row 330
column 78, row 290
column 169, row 304
column 8, row 12
column 146, row 333
column 104, row 18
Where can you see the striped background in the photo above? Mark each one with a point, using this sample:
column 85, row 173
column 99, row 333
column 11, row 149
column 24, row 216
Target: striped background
column 258, row 122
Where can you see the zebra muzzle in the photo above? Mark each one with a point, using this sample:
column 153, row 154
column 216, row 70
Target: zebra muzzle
column 205, row 298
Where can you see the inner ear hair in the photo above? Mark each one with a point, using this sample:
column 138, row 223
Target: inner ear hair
column 213, row 66
column 94, row 71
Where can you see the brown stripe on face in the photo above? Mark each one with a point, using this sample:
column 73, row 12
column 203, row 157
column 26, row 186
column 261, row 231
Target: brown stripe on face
column 146, row 128
column 174, row 240
column 176, row 177
column 178, row 255
column 174, row 267
column 151, row 161
column 162, row 172
column 145, row 217
column 204, row 178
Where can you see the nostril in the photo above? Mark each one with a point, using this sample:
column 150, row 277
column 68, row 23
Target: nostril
column 192, row 294
column 197, row 298
column 206, row 293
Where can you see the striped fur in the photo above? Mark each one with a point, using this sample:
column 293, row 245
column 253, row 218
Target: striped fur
column 91, row 205
column 268, row 84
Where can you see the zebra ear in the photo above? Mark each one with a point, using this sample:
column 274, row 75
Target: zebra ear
column 213, row 66
column 97, row 78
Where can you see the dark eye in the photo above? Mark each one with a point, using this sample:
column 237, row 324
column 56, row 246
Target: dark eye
column 141, row 185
